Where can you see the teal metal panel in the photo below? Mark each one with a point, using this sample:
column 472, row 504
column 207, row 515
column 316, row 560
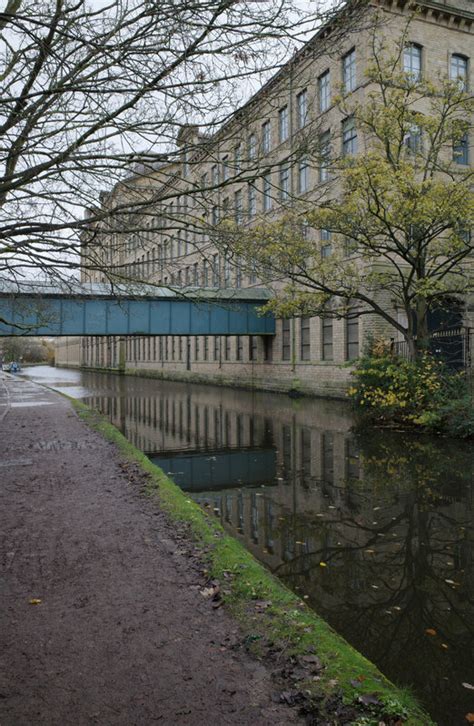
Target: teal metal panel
column 58, row 315
column 118, row 317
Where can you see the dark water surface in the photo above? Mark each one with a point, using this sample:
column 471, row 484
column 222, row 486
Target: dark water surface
column 389, row 515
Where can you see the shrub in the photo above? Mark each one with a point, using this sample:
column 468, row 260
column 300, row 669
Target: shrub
column 424, row 393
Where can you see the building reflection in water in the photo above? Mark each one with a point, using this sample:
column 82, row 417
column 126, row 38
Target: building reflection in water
column 389, row 515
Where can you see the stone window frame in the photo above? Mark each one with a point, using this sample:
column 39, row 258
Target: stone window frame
column 349, row 71
column 324, row 91
column 413, row 52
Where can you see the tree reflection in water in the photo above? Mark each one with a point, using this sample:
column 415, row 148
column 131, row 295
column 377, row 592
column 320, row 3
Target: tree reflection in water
column 395, row 532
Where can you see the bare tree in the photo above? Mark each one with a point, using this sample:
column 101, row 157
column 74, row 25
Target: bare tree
column 95, row 92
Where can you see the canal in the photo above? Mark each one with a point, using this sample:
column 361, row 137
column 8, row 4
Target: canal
column 374, row 530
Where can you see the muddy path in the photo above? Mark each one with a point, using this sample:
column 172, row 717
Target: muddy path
column 102, row 620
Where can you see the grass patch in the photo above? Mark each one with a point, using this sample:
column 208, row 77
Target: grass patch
column 285, row 621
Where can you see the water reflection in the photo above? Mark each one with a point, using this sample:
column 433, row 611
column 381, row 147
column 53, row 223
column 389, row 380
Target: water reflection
column 389, row 515
column 216, row 470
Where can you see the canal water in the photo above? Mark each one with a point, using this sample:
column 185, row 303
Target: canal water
column 390, row 515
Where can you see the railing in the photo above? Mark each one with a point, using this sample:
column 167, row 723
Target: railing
column 454, row 346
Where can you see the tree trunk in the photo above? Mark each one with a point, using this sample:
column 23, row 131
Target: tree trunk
column 422, row 332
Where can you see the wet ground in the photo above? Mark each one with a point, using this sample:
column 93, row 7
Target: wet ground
column 388, row 515
column 102, row 616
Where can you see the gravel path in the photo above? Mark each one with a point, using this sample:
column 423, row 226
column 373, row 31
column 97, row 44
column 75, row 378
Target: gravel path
column 121, row 634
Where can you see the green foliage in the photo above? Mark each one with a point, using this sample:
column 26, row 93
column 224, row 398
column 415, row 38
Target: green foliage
column 28, row 350
column 423, row 394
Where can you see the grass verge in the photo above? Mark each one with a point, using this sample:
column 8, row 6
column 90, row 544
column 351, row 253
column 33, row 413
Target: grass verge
column 285, row 621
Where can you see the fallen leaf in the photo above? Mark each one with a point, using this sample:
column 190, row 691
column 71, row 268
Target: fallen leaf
column 469, row 717
column 369, row 552
column 430, row 631
column 468, row 685
column 322, row 564
column 369, row 699
column 445, row 646
column 35, row 601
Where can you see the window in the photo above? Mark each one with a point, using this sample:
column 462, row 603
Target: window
column 238, row 158
column 286, row 340
column 349, row 71
column 413, row 140
column 240, row 348
column 458, row 70
column 305, row 340
column 303, row 175
column 327, row 338
column 227, row 347
column 215, row 174
column 205, row 273
column 252, row 146
column 238, row 272
column 326, row 246
column 284, row 181
column 302, row 108
column 216, row 347
column 226, row 271
column 352, row 338
column 253, row 273
column 196, row 274
column 283, row 124
column 324, row 156
column 238, row 207
column 225, row 168
column 461, row 150
column 267, row 192
column 324, row 91
column 215, row 271
column 266, row 137
column 206, row 348
column 267, row 348
column 349, row 137
column 252, row 200
column 253, row 347
column 412, row 61
column 196, row 347
column 215, row 215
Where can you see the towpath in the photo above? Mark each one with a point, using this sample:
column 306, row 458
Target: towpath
column 101, row 616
